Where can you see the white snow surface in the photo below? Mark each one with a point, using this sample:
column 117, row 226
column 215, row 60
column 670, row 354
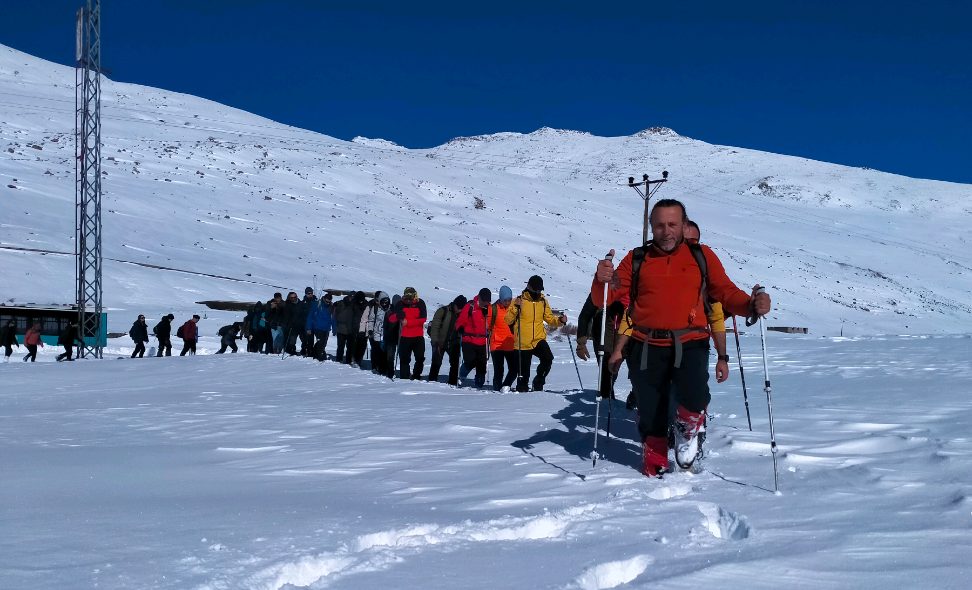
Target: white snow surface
column 253, row 472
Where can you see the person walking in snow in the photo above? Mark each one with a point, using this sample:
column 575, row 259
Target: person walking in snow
column 303, row 310
column 527, row 315
column 445, row 340
column 67, row 339
column 139, row 335
column 289, row 324
column 390, row 337
column 8, row 339
column 344, row 328
column 410, row 314
column 228, row 335
column 359, row 340
column 319, row 325
column 670, row 338
column 589, row 328
column 374, row 324
column 163, row 331
column 32, row 339
column 473, row 323
column 502, row 342
column 189, row 332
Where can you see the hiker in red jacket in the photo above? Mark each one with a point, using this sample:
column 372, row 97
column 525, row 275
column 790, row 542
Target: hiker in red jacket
column 189, row 333
column 669, row 329
column 32, row 339
column 472, row 323
column 410, row 313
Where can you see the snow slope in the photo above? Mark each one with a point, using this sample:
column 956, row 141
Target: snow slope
column 251, row 472
column 197, row 186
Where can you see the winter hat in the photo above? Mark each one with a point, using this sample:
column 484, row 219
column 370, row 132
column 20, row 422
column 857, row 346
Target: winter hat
column 460, row 302
column 535, row 283
column 506, row 294
column 485, row 295
column 396, row 298
column 171, row 317
column 410, row 291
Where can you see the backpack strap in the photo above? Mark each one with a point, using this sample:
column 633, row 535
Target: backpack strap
column 699, row 256
column 637, row 257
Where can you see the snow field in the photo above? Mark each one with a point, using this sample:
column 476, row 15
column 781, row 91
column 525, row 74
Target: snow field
column 248, row 471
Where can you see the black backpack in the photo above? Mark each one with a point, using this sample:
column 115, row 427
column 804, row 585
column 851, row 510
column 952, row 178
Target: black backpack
column 180, row 333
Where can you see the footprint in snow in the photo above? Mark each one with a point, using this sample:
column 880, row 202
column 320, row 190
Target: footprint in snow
column 672, row 491
column 724, row 524
column 614, row 573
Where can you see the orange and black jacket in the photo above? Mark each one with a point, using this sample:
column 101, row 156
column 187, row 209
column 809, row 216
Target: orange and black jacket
column 669, row 293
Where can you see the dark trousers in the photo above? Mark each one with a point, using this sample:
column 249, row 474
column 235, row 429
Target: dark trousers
column 474, row 356
column 291, row 344
column 360, row 341
column 7, row 350
column 226, row 342
column 391, row 358
column 406, row 348
column 509, row 358
column 306, row 344
column 440, row 351
column 31, row 352
column 344, row 346
column 378, row 358
column 542, row 352
column 188, row 346
column 652, row 385
column 165, row 345
column 320, row 345
column 139, row 350
column 67, row 354
column 607, row 377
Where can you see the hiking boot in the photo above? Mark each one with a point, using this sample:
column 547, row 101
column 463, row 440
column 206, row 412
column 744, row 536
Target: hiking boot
column 505, row 389
column 631, row 402
column 689, row 435
column 654, row 456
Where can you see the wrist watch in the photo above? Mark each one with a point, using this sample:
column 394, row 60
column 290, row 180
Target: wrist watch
column 724, row 357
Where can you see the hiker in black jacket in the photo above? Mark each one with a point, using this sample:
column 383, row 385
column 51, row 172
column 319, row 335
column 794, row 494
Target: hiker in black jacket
column 300, row 322
column 68, row 337
column 139, row 334
column 8, row 338
column 163, row 331
column 228, row 337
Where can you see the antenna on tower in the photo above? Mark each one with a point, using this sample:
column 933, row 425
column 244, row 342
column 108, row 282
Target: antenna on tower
column 87, row 138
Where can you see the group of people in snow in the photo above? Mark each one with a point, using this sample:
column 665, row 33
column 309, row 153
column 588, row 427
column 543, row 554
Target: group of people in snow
column 470, row 334
column 68, row 337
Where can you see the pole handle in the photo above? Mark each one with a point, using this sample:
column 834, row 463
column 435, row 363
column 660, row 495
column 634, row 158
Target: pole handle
column 753, row 318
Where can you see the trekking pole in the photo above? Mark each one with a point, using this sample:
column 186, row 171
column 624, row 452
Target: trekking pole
column 742, row 374
column 286, row 343
column 769, row 399
column 600, row 368
column 576, row 368
column 519, row 348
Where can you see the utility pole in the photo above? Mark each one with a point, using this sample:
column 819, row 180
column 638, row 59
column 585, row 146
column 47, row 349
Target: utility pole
column 646, row 196
column 87, row 137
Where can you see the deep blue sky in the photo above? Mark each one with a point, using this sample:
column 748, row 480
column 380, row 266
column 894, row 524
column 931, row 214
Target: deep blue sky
column 881, row 84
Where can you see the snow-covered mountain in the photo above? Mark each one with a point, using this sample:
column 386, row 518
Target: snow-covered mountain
column 192, row 185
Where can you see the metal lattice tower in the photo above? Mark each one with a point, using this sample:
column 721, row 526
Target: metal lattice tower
column 87, row 135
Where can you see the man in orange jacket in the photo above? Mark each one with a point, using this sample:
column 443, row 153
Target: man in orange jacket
column 667, row 311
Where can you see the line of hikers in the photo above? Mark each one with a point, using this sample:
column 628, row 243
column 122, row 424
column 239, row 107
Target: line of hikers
column 510, row 332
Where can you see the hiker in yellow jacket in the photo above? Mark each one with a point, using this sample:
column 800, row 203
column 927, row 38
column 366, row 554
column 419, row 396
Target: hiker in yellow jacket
column 526, row 319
